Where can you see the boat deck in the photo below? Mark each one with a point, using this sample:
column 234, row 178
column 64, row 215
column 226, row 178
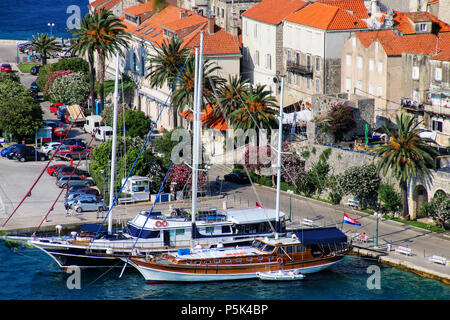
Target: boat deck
column 217, row 253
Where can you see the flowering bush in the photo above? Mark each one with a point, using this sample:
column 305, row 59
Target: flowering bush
column 70, row 89
column 182, row 175
column 51, row 77
column 362, row 182
column 341, row 120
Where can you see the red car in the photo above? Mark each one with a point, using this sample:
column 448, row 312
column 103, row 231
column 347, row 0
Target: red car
column 6, row 67
column 72, row 152
column 69, row 173
column 51, row 169
column 54, row 107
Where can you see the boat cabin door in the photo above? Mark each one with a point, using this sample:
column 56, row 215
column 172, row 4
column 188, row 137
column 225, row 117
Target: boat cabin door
column 166, row 237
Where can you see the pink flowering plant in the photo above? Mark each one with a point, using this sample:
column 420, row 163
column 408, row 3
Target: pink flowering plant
column 51, row 77
column 340, row 121
column 182, row 176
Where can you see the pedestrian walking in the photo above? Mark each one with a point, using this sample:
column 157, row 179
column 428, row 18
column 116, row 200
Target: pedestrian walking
column 66, row 206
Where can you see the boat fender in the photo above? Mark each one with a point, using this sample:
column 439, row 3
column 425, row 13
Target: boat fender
column 280, row 260
column 158, row 223
column 164, row 223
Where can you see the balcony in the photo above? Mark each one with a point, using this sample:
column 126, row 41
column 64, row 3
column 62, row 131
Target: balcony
column 440, row 110
column 293, row 66
column 411, row 105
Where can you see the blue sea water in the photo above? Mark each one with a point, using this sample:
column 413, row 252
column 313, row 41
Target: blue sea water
column 30, row 274
column 21, row 19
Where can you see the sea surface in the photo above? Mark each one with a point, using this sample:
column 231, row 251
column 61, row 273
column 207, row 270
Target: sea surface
column 30, row 274
column 21, row 19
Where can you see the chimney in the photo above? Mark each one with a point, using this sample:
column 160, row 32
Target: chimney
column 183, row 13
column 211, row 23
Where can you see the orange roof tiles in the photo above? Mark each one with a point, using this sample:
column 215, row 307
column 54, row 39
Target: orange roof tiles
column 444, row 48
column 208, row 118
column 141, row 8
column 356, row 6
column 104, row 4
column 221, row 42
column 273, row 11
column 326, row 17
column 402, row 21
column 395, row 45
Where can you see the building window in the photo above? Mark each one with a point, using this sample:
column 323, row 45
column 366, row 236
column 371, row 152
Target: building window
column 359, row 86
column 348, row 84
column 354, row 42
column 359, row 62
column 297, row 58
column 298, row 80
column 268, row 61
column 255, row 31
column 371, row 64
column 380, row 91
column 289, row 55
column 415, row 73
column 289, row 77
column 246, row 28
column 438, row 74
column 380, row 67
column 223, row 13
column 416, row 95
column 423, row 27
column 308, row 83
column 317, row 85
column 308, row 62
column 376, row 45
column 371, row 88
column 437, row 125
column 317, row 64
column 348, row 59
column 257, row 57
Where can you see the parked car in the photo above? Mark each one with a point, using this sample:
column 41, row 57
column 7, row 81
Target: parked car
column 75, row 188
column 75, row 142
column 48, row 147
column 56, row 171
column 28, row 153
column 88, row 191
column 54, row 107
column 58, row 128
column 23, row 45
column 6, row 67
column 66, row 181
column 7, row 150
column 35, row 69
column 237, row 177
column 71, row 197
column 72, row 152
column 103, row 133
column 81, row 205
column 69, row 170
column 51, row 169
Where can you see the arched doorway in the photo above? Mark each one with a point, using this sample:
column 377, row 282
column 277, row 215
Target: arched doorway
column 438, row 193
column 420, row 196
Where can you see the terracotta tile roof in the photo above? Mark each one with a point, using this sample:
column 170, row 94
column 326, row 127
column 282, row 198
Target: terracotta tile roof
column 208, row 118
column 322, row 16
column 395, row 45
column 104, row 4
column 356, row 6
column 221, row 42
column 444, row 48
column 141, row 8
column 273, row 11
column 402, row 21
column 433, row 1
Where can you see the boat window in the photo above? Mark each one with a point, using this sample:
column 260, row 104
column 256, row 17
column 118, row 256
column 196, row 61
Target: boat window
column 300, row 248
column 188, row 262
column 228, row 261
column 238, row 260
column 198, row 262
column 289, row 249
column 209, row 230
column 208, row 261
column 268, row 248
column 179, row 232
column 258, row 244
column 249, row 259
column 260, row 258
column 216, row 261
column 226, row 229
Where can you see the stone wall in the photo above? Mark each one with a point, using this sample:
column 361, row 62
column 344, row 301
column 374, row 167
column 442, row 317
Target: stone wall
column 332, row 81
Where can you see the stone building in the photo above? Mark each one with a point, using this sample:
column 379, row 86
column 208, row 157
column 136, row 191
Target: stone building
column 312, row 42
column 440, row 9
column 262, row 40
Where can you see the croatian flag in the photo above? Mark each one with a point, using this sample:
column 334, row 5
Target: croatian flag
column 258, row 205
column 351, row 221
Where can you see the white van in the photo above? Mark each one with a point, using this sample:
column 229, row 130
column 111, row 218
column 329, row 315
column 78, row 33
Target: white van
column 92, row 123
column 103, row 133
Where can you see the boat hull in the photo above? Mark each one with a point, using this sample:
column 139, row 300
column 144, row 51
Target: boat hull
column 154, row 272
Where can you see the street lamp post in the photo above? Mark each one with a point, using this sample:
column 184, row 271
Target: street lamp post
column 378, row 215
column 290, row 192
column 51, row 25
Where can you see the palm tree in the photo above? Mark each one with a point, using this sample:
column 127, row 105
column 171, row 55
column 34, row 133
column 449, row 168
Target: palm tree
column 166, row 64
column 230, row 96
column 101, row 32
column 184, row 93
column 406, row 154
column 44, row 45
column 258, row 109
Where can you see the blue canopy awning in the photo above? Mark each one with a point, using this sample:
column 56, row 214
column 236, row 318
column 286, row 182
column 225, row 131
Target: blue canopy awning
column 92, row 228
column 320, row 236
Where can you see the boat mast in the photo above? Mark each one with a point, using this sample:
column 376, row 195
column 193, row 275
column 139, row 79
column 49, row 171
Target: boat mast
column 196, row 130
column 280, row 141
column 113, row 151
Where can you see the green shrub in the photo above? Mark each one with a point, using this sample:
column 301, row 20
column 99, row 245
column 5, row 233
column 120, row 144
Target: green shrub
column 390, row 199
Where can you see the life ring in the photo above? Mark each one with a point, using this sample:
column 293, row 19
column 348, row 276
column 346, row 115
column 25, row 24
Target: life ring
column 280, row 260
column 164, row 223
column 158, row 223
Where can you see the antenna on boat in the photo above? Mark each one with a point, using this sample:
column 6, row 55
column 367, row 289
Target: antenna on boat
column 114, row 142
column 196, row 130
column 280, row 141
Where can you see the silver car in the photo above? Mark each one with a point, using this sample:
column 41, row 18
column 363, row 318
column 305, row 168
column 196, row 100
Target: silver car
column 64, row 182
column 80, row 205
column 72, row 197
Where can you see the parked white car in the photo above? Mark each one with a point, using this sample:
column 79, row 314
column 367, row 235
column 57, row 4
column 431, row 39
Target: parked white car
column 48, row 147
column 103, row 133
